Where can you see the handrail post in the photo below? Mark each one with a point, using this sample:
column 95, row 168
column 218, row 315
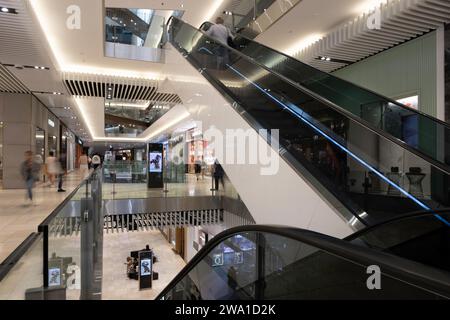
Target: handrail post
column 45, row 256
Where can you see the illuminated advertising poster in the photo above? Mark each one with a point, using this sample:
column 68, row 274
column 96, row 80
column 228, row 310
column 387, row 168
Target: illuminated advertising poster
column 54, row 277
column 146, row 268
column 155, row 160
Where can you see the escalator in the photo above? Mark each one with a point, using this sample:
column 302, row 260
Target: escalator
column 273, row 263
column 411, row 128
column 369, row 169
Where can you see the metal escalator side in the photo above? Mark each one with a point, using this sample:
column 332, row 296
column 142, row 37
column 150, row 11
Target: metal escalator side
column 272, row 263
column 337, row 153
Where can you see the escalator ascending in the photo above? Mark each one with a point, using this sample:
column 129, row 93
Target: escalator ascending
column 361, row 165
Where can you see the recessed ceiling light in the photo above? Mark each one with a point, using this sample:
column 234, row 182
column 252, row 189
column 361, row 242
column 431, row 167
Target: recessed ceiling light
column 8, row 10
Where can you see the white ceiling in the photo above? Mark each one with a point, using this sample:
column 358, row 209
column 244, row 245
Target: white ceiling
column 38, row 36
column 310, row 20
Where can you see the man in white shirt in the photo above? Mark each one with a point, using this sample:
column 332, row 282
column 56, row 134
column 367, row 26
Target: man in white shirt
column 220, row 33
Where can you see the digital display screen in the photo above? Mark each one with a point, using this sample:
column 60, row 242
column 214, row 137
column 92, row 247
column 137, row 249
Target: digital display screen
column 54, row 277
column 146, row 267
column 155, row 162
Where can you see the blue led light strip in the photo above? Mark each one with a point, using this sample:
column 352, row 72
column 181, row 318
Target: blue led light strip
column 361, row 161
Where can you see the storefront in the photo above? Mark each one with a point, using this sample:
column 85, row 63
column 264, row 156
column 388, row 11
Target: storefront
column 176, row 238
column 79, row 150
column 67, row 147
column 198, row 151
column 52, row 136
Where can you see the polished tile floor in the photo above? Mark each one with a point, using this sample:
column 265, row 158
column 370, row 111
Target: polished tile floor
column 18, row 218
column 117, row 247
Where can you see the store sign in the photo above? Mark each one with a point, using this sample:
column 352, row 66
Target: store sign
column 51, row 123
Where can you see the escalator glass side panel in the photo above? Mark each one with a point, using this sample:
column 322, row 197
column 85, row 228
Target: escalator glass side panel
column 415, row 129
column 372, row 176
column 265, row 266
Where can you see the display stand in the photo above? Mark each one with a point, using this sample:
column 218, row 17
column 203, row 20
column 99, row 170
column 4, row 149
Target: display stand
column 155, row 166
column 145, row 269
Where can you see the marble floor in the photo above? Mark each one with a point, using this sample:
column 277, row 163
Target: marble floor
column 18, row 218
column 117, row 247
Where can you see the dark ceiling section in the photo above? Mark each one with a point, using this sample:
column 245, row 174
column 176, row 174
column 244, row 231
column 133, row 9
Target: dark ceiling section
column 124, row 92
column 112, row 119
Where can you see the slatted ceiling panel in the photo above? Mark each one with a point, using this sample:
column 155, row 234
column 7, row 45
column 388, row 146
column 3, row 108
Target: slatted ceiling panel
column 17, row 33
column 402, row 20
column 148, row 93
column 135, row 91
column 9, row 83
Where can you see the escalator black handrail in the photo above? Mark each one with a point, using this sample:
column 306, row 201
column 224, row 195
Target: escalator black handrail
column 416, row 274
column 390, row 100
column 407, row 216
column 439, row 165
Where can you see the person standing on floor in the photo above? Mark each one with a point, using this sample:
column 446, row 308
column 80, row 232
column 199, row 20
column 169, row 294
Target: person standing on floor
column 218, row 175
column 29, row 170
column 198, row 168
column 52, row 168
column 61, row 166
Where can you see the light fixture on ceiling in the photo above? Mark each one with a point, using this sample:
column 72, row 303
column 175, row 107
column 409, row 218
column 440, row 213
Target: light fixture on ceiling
column 20, row 67
column 8, row 10
column 329, row 59
column 325, row 58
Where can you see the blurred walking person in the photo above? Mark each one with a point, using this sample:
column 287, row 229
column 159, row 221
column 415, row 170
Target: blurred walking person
column 52, row 168
column 83, row 162
column 29, row 170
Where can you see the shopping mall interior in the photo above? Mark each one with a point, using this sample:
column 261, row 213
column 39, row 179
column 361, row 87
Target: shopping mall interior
column 224, row 149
